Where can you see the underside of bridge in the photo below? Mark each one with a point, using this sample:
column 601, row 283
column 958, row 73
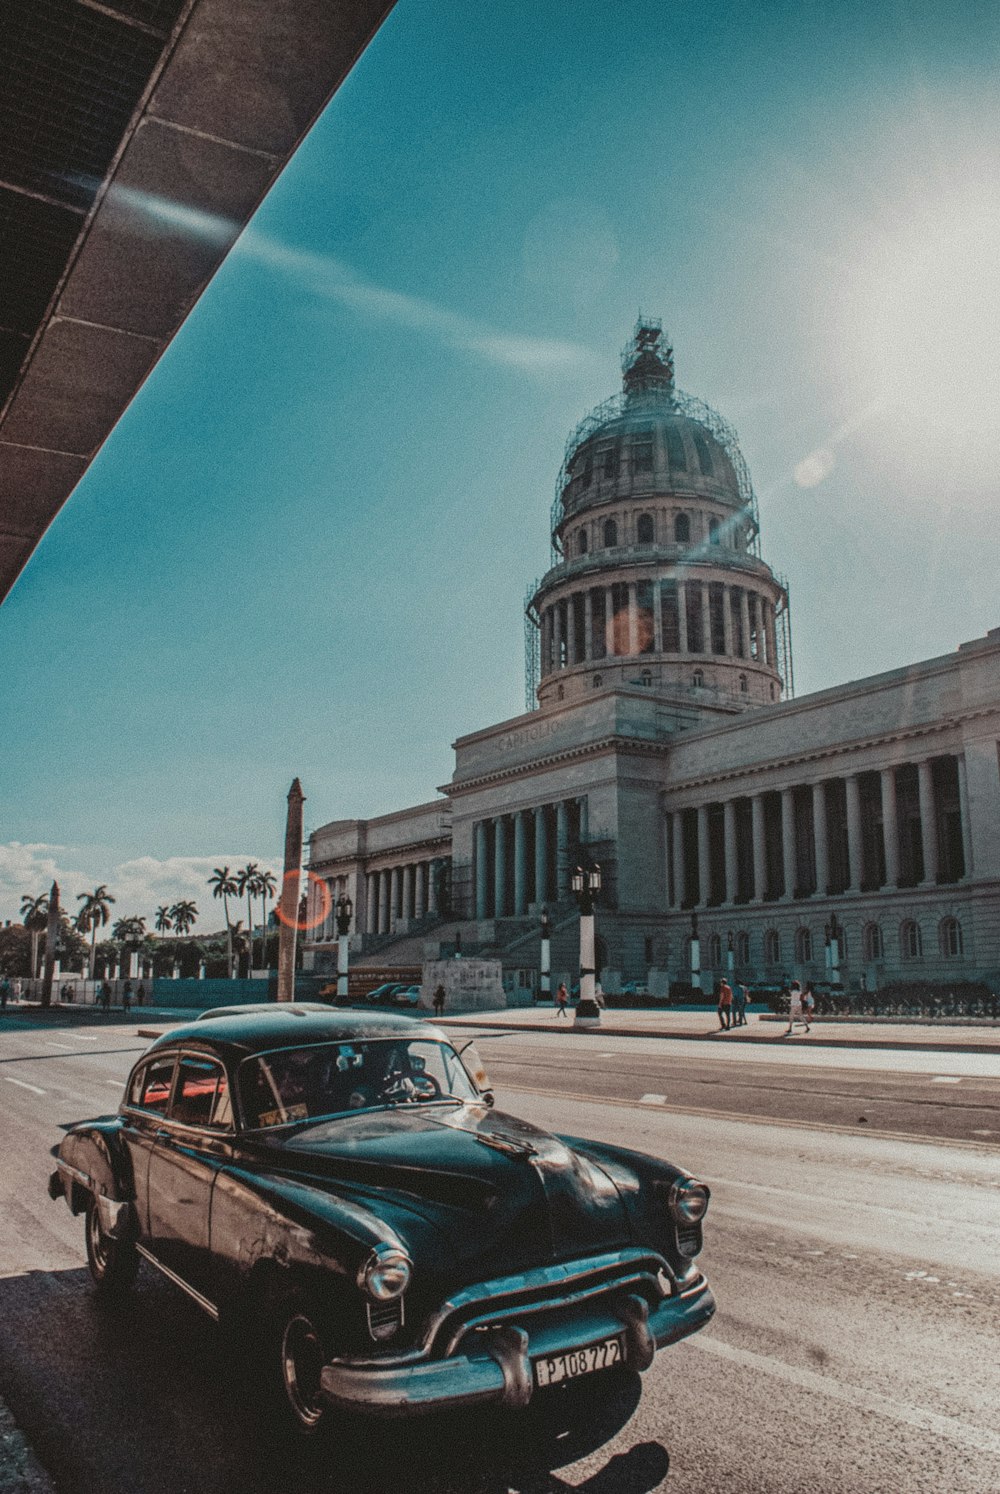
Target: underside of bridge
column 119, row 120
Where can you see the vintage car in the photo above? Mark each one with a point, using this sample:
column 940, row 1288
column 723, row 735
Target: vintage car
column 340, row 1194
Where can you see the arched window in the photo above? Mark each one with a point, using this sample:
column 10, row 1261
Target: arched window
column 647, row 677
column 581, row 542
column 803, row 946
column 682, row 529
column 911, row 945
column 742, row 947
column 697, row 679
column 713, row 532
column 714, row 951
column 644, row 529
column 744, row 685
column 950, row 937
column 871, row 942
column 560, row 693
column 772, row 691
column 597, row 681
column 610, row 534
column 772, row 947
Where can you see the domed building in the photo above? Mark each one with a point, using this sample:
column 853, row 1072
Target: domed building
column 663, row 742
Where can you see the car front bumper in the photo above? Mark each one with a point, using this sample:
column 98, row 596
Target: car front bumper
column 495, row 1363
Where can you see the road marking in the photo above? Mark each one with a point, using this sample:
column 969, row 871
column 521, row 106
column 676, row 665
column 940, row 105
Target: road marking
column 933, row 1422
column 23, row 1084
column 945, row 1079
column 82, row 1037
column 652, row 1100
column 115, row 1083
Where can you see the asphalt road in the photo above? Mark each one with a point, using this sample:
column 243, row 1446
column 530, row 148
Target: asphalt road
column 857, row 1273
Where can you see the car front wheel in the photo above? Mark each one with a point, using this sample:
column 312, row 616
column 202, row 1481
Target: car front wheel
column 290, row 1366
column 112, row 1263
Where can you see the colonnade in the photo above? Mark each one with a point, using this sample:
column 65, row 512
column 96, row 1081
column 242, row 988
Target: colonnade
column 408, row 891
column 661, row 615
column 906, row 825
column 524, row 857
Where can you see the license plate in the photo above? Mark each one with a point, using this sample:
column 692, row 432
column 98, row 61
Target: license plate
column 558, row 1367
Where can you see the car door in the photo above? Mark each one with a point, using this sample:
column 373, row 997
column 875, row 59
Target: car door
column 190, row 1146
column 143, row 1114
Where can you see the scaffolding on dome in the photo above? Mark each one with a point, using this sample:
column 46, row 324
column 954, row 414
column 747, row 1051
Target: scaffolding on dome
column 783, row 640
column 532, row 648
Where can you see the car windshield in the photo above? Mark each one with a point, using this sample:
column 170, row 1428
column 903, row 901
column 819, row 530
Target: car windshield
column 325, row 1079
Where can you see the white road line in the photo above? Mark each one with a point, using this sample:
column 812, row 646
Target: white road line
column 64, row 1046
column 115, row 1083
column 977, row 1438
column 652, row 1099
column 82, row 1037
column 23, row 1084
column 945, row 1079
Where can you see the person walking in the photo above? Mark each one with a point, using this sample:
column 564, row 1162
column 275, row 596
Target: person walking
column 140, row 994
column 4, row 993
column 795, row 1013
column 439, row 1000
column 808, row 1007
column 105, row 997
column 562, row 999
column 725, row 1007
column 126, row 997
column 740, row 994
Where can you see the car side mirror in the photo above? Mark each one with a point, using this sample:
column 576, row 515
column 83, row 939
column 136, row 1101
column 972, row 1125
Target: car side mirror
column 488, row 1098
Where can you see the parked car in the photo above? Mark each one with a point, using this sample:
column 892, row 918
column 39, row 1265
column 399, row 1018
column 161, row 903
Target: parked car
column 385, row 992
column 406, row 996
column 340, row 1194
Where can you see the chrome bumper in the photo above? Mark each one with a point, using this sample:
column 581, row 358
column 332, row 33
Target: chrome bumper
column 495, row 1363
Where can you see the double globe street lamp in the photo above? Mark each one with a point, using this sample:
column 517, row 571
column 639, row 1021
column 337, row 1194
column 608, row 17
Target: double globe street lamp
column 586, row 883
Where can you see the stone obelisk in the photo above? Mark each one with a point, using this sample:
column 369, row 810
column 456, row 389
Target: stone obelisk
column 51, row 938
column 288, row 904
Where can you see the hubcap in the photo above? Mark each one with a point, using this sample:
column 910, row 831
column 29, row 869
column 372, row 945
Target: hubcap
column 98, row 1241
column 301, row 1365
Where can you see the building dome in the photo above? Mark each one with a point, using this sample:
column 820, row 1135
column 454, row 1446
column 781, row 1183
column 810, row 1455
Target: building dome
column 655, row 554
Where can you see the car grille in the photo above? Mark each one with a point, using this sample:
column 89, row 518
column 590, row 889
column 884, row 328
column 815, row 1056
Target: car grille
column 385, row 1318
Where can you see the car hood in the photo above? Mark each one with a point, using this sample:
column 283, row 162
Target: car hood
column 463, row 1185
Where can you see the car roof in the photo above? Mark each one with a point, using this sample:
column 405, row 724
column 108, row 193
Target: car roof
column 267, row 1028
column 287, row 1008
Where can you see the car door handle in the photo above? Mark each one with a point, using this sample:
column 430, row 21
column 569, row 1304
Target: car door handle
column 161, row 1135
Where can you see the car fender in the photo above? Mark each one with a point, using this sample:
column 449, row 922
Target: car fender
column 92, row 1161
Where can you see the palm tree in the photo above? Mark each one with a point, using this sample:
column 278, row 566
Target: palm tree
column 164, row 920
column 35, row 917
column 266, row 884
column 246, row 881
column 93, row 915
column 223, row 884
column 184, row 914
column 130, row 931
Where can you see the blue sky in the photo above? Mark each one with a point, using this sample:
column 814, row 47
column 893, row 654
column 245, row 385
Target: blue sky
column 305, row 548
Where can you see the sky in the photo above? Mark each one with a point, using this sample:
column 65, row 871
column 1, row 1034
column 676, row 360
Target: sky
column 305, row 548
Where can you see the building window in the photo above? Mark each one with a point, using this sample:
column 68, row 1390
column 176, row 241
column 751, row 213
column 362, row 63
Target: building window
column 606, row 460
column 610, row 534
column 714, row 951
column 871, row 942
column 950, row 937
column 676, row 455
column 644, row 529
column 742, row 947
column 744, row 686
column 581, row 542
column 911, row 945
column 597, row 681
column 803, row 946
column 772, row 691
column 642, row 451
column 772, row 947
column 588, row 467
column 647, row 677
column 698, row 679
column 682, row 529
column 713, row 532
column 704, row 454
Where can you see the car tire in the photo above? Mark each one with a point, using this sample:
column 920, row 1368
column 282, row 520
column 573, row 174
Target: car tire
column 292, row 1354
column 112, row 1263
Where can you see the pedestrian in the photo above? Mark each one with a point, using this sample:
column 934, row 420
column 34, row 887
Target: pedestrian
column 562, row 999
column 140, row 994
column 4, row 993
column 795, row 1008
column 725, row 1007
column 126, row 996
column 439, row 999
column 105, row 997
column 599, row 993
column 740, row 994
column 808, row 1006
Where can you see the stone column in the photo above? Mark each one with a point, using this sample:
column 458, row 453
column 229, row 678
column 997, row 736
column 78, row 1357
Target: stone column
column 588, row 625
column 609, row 622
column 682, row 618
column 704, row 863
column 395, row 895
column 584, row 804
column 562, row 850
column 759, row 849
column 727, row 621
column 557, row 634
column 729, row 823
column 963, row 805
column 745, row 620
column 821, row 839
column 500, row 867
column 571, row 630
column 432, row 888
column 657, row 617
column 482, row 873
column 890, row 827
column 633, row 619
column 371, row 903
column 677, row 829
column 420, row 889
column 520, row 864
column 928, row 829
column 772, row 637
column 406, row 898
column 706, row 619
column 854, row 855
column 541, row 857
column 383, row 902
column 788, row 842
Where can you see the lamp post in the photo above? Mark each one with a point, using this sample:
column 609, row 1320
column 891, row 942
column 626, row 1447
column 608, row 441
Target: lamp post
column 834, row 934
column 545, row 963
column 730, row 957
column 586, row 883
column 695, row 954
column 345, row 909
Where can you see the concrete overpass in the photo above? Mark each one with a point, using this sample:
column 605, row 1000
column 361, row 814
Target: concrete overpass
column 198, row 103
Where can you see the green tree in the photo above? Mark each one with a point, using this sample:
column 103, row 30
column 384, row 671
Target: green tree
column 266, row 884
column 223, row 884
column 246, row 882
column 35, row 917
column 93, row 915
column 184, row 914
column 164, row 919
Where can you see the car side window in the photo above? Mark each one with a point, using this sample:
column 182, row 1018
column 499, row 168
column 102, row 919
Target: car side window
column 150, row 1089
column 201, row 1095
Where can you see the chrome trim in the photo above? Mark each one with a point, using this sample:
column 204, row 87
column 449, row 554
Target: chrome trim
column 196, row 1296
column 523, row 1311
column 74, row 1173
column 115, row 1214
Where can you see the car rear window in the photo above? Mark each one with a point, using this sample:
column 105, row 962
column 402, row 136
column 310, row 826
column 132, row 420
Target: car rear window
column 150, row 1088
column 201, row 1095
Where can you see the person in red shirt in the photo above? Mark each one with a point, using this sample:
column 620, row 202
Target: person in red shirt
column 725, row 1007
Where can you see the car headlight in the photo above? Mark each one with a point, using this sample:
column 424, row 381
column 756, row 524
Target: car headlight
column 385, row 1274
column 688, row 1201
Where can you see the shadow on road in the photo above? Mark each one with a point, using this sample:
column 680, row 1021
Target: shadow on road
column 139, row 1400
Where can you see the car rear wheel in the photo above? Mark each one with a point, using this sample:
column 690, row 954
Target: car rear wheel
column 112, row 1263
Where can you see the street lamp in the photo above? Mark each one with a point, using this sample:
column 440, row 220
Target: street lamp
column 586, row 883
column 345, row 909
column 545, row 963
column 695, row 954
column 833, row 940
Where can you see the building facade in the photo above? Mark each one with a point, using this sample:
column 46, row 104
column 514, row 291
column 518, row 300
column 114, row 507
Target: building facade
column 666, row 745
